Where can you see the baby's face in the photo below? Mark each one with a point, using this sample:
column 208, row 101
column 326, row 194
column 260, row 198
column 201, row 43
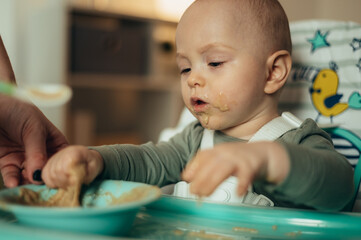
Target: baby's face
column 222, row 77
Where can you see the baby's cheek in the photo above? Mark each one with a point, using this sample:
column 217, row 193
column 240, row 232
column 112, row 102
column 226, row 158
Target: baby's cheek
column 221, row 102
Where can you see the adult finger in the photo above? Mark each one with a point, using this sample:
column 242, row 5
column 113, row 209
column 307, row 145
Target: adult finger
column 35, row 154
column 11, row 176
column 10, row 166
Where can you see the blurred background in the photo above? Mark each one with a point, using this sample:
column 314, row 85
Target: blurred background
column 119, row 58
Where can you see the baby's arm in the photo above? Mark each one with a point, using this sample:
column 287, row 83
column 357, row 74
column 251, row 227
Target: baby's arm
column 247, row 161
column 302, row 169
column 58, row 171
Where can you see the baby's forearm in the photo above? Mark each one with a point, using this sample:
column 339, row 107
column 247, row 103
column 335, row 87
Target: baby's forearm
column 278, row 166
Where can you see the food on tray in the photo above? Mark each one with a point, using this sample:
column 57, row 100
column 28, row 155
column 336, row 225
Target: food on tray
column 245, row 229
column 202, row 234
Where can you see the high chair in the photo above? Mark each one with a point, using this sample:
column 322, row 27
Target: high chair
column 354, row 141
column 325, row 85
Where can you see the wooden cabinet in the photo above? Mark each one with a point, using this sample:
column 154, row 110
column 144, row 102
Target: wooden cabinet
column 123, row 73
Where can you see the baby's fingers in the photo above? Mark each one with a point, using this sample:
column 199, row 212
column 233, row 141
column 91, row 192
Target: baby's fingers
column 54, row 175
column 191, row 169
column 245, row 176
column 57, row 171
column 201, row 160
column 210, row 177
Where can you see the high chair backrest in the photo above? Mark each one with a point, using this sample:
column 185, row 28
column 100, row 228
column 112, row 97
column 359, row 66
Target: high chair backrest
column 325, row 84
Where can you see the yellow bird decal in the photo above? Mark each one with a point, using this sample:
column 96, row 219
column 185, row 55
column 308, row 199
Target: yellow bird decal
column 324, row 94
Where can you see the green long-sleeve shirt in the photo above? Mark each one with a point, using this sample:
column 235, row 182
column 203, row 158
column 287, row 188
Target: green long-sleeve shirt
column 319, row 177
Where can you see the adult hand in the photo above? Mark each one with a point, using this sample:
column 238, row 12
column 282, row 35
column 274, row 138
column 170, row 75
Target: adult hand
column 27, row 140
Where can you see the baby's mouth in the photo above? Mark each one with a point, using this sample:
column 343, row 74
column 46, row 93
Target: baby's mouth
column 198, row 104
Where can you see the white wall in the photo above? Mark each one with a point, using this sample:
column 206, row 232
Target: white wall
column 8, row 24
column 33, row 32
column 345, row 10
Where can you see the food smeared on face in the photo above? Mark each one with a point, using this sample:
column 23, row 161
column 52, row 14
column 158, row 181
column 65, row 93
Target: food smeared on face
column 204, row 110
column 220, row 102
column 204, row 119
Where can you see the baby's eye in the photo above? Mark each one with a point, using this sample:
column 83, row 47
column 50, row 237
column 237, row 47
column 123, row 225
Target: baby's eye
column 215, row 64
column 186, row 70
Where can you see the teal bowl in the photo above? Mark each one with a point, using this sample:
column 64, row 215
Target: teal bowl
column 99, row 213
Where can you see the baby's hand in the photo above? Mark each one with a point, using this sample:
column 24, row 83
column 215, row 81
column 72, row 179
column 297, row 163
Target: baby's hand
column 60, row 169
column 247, row 161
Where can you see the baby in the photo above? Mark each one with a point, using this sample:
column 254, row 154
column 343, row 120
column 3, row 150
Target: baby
column 234, row 58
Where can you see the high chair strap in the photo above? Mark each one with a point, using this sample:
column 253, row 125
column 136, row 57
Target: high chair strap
column 207, row 139
column 276, row 128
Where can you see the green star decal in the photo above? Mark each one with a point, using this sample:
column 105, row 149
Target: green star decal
column 318, row 41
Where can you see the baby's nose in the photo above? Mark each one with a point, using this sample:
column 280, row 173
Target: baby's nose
column 196, row 80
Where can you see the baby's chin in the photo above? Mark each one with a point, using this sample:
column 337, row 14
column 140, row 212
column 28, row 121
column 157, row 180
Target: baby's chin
column 210, row 122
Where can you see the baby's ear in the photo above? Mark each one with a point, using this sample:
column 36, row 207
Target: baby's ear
column 279, row 66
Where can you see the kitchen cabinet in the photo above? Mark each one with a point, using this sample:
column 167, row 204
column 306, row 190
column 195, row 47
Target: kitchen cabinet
column 124, row 77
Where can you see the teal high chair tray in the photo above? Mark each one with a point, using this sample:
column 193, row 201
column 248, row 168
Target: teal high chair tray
column 174, row 218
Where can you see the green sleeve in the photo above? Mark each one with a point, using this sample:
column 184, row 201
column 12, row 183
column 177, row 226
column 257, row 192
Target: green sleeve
column 157, row 164
column 319, row 178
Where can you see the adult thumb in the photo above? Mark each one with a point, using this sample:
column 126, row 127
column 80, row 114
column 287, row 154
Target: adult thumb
column 35, row 155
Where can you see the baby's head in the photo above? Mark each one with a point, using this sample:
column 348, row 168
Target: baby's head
column 234, row 57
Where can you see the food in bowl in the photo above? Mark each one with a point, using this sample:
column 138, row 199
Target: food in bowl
column 107, row 207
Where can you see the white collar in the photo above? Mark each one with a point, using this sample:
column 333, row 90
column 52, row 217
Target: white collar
column 269, row 132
